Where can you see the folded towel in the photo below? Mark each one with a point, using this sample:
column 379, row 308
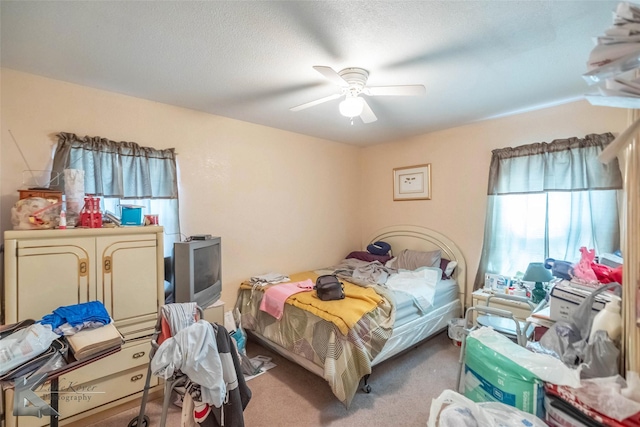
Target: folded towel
column 275, row 297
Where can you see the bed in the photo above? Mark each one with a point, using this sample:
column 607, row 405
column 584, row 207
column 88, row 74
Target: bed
column 341, row 341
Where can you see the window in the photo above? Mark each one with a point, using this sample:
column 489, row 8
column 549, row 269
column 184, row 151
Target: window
column 124, row 173
column 546, row 200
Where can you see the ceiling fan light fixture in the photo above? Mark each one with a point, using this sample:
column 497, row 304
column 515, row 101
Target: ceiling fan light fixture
column 351, row 106
column 352, row 83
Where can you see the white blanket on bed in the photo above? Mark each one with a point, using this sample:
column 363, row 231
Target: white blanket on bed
column 420, row 284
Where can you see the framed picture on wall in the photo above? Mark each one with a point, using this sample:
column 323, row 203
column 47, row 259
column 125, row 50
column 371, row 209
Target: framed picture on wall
column 412, row 183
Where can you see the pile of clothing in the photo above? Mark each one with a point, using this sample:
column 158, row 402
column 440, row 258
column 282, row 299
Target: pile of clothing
column 216, row 392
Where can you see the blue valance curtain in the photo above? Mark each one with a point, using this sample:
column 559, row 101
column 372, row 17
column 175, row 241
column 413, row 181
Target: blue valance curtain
column 547, row 200
column 124, row 172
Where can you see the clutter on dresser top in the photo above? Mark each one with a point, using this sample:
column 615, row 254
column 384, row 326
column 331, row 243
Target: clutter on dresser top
column 41, row 209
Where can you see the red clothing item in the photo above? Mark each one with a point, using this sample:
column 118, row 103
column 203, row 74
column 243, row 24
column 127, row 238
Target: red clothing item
column 606, row 274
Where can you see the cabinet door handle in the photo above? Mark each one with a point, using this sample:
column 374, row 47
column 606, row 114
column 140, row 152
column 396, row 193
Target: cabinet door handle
column 83, row 267
column 107, row 264
column 136, row 378
column 138, row 355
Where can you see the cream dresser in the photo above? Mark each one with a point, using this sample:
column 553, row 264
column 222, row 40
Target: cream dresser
column 123, row 268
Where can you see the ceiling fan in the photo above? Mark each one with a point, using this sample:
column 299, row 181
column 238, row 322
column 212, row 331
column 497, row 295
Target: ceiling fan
column 352, row 82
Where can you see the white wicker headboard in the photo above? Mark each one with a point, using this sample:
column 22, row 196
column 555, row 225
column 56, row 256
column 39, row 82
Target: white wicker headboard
column 416, row 238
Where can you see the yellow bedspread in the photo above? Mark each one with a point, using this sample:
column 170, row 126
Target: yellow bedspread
column 343, row 313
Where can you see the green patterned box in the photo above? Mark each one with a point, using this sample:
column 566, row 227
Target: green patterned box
column 492, row 376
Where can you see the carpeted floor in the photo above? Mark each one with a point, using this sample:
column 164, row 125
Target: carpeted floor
column 288, row 395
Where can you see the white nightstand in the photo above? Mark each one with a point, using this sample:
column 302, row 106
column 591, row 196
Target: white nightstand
column 215, row 313
column 519, row 309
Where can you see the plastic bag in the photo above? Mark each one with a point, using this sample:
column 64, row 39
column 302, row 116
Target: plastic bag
column 559, row 339
column 451, row 409
column 600, row 357
column 34, row 213
column 604, row 395
column 569, row 340
column 498, row 370
column 24, row 344
column 233, row 324
column 632, row 391
column 74, row 192
column 602, row 399
column 542, row 366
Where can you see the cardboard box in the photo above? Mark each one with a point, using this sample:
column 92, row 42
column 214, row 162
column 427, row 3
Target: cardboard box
column 565, row 299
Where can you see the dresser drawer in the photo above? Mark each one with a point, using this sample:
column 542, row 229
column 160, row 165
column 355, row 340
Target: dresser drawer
column 141, row 326
column 132, row 355
column 76, row 397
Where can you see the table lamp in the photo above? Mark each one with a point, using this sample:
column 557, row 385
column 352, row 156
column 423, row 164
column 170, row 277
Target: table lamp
column 537, row 273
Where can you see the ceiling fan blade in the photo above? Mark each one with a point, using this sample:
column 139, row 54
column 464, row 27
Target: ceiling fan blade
column 406, row 90
column 367, row 115
column 331, row 75
column 316, row 102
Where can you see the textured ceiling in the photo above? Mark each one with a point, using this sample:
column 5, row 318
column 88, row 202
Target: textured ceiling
column 252, row 60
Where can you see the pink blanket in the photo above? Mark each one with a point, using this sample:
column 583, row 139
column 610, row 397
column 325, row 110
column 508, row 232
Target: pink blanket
column 276, row 295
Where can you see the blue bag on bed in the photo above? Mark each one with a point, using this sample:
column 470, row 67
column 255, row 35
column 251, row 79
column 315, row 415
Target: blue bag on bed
column 379, row 248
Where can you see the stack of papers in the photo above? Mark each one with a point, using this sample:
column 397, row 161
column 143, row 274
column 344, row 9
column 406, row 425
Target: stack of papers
column 90, row 341
column 614, row 59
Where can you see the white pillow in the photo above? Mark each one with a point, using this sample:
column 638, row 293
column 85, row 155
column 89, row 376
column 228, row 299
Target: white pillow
column 450, row 267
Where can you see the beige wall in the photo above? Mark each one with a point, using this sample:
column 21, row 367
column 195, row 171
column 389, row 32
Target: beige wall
column 460, row 160
column 281, row 201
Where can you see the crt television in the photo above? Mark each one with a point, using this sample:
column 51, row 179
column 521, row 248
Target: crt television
column 197, row 271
